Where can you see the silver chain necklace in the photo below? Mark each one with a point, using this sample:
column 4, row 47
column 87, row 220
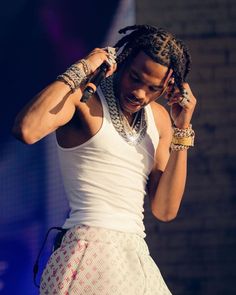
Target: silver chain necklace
column 132, row 134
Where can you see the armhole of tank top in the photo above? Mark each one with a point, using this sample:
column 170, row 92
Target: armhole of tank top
column 152, row 128
column 106, row 116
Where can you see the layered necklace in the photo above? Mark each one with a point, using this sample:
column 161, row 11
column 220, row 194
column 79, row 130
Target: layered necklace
column 132, row 134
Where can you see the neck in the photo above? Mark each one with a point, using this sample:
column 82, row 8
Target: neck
column 130, row 117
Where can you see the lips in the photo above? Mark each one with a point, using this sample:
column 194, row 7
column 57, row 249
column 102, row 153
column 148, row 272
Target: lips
column 132, row 100
column 129, row 106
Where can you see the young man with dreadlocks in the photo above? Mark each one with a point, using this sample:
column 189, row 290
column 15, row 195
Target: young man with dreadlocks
column 112, row 150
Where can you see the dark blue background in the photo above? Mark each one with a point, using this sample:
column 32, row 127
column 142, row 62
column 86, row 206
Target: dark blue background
column 39, row 39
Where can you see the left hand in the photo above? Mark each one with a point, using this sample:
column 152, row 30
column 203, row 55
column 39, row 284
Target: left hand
column 182, row 107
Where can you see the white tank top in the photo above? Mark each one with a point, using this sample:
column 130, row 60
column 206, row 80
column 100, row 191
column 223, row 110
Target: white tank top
column 105, row 178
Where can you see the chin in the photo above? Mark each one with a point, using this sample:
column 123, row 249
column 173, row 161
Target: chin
column 129, row 107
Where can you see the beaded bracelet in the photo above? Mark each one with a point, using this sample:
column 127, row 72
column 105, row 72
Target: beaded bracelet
column 178, row 147
column 186, row 132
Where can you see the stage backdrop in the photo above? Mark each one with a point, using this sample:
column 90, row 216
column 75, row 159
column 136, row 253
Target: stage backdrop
column 196, row 251
column 39, row 40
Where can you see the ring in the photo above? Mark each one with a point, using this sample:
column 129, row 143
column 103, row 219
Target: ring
column 185, row 98
column 111, row 51
column 111, row 61
column 111, row 55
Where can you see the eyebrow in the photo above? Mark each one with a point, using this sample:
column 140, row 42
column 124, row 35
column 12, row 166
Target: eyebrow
column 133, row 71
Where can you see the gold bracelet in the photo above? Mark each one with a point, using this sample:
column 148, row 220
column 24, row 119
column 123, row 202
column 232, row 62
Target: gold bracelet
column 182, row 138
column 188, row 141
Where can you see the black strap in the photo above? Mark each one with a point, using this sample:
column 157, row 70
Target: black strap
column 56, row 245
column 58, row 239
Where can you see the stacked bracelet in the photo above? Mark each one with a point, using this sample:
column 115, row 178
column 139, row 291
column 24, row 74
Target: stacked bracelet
column 75, row 75
column 182, row 139
column 86, row 66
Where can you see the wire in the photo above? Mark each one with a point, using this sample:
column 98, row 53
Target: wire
column 36, row 264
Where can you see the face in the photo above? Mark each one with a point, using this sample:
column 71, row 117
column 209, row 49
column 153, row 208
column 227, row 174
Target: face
column 141, row 82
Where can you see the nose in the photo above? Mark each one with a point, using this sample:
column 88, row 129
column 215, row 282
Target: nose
column 139, row 94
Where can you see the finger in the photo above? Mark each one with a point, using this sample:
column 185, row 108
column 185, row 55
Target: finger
column 111, row 51
column 172, row 101
column 96, row 58
column 191, row 98
column 111, row 70
column 99, row 55
column 173, row 97
column 187, row 87
column 98, row 51
column 184, row 99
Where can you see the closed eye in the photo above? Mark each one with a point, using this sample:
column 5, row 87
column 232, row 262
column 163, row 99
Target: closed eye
column 155, row 89
column 134, row 78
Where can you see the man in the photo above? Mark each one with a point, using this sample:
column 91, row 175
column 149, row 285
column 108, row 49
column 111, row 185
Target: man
column 112, row 149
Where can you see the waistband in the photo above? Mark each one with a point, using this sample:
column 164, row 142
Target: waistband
column 127, row 241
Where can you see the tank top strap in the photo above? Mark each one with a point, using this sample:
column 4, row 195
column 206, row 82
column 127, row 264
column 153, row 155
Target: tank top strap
column 152, row 129
column 105, row 108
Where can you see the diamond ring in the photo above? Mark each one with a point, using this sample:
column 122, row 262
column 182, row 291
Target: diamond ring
column 185, row 98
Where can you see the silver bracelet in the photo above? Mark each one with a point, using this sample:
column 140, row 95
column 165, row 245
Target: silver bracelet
column 187, row 132
column 74, row 76
column 178, row 147
column 86, row 66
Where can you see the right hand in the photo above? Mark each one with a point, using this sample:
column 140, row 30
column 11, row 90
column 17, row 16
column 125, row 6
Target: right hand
column 96, row 57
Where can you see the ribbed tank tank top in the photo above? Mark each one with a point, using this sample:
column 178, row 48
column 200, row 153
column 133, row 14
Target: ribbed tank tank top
column 105, row 178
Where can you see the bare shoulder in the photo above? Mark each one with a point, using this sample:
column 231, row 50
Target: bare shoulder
column 161, row 117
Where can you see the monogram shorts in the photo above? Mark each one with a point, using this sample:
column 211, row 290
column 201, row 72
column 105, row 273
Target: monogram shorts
column 98, row 261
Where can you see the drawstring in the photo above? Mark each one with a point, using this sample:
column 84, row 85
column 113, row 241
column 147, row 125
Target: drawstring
column 36, row 265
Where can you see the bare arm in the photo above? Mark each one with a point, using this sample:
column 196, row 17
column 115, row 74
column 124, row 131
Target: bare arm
column 167, row 180
column 53, row 107
column 166, row 186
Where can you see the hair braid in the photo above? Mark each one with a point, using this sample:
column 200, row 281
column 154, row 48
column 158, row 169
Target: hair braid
column 158, row 44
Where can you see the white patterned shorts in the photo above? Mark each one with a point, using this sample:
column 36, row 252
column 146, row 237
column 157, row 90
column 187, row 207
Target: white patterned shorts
column 98, row 261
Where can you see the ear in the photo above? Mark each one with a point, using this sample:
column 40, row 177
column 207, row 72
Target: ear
column 171, row 81
column 168, row 78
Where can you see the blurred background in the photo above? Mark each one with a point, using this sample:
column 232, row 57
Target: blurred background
column 39, row 39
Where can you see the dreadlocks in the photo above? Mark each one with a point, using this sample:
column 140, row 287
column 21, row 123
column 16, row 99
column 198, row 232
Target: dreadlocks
column 158, row 44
